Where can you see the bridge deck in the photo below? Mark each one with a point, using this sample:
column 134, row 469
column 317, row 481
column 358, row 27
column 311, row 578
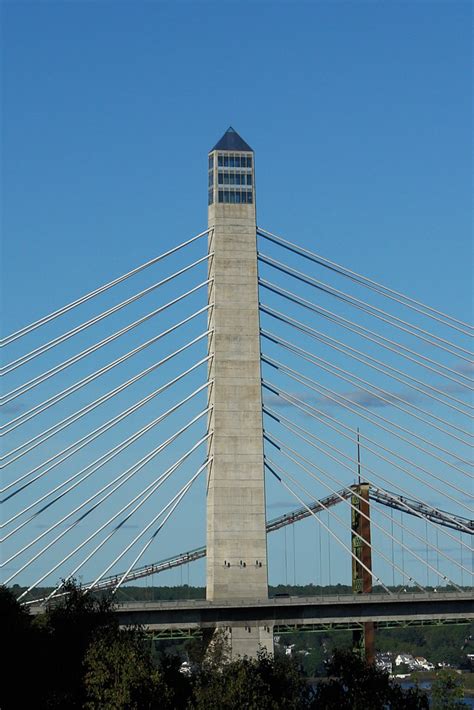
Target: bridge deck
column 298, row 610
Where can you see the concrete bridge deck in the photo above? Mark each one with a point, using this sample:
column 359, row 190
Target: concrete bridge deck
column 299, row 611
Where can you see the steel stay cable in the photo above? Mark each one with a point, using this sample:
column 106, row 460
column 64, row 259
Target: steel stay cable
column 168, row 472
column 176, row 501
column 399, row 349
column 320, row 521
column 324, row 419
column 355, row 379
column 388, row 421
column 278, row 445
column 392, row 320
column 91, row 436
column 15, row 393
column 290, row 398
column 287, row 423
column 54, row 399
column 349, row 350
column 333, row 478
column 71, row 418
column 365, row 280
column 153, row 487
column 412, row 475
column 378, row 552
column 94, row 466
column 10, row 367
column 45, row 319
column 122, row 478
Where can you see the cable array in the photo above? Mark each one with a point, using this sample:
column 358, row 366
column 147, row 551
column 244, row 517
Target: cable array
column 78, row 464
column 374, row 372
column 361, row 368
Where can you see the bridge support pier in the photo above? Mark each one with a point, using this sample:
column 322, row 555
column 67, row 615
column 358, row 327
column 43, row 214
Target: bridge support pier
column 227, row 643
column 363, row 640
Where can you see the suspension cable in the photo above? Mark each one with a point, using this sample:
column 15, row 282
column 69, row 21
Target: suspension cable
column 71, row 418
column 369, row 283
column 167, row 473
column 354, row 379
column 269, row 466
column 278, row 444
column 399, row 349
column 176, row 501
column 92, row 321
column 308, row 409
column 378, row 313
column 46, row 319
column 348, row 488
column 378, row 552
column 288, row 424
column 91, row 436
column 95, row 465
column 121, row 481
column 349, row 350
column 388, row 421
column 22, row 389
column 149, row 490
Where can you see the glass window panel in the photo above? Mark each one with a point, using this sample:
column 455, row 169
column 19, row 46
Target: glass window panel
column 249, row 179
column 244, row 197
column 249, row 161
column 226, row 195
column 210, row 198
column 226, row 161
column 237, row 197
column 221, row 196
column 232, row 196
column 249, row 197
column 231, row 161
column 220, row 160
column 237, row 161
column 211, row 161
column 220, row 179
column 211, row 177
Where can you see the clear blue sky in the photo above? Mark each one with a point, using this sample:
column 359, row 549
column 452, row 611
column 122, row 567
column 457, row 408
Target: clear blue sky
column 360, row 114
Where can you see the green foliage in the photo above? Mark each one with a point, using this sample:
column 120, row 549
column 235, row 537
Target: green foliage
column 265, row 683
column 353, row 684
column 119, row 672
column 69, row 627
column 23, row 646
column 447, row 691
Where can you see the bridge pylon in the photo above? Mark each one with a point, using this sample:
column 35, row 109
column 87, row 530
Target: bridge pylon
column 236, row 526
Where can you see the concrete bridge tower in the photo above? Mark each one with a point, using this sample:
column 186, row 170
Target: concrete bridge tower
column 236, row 534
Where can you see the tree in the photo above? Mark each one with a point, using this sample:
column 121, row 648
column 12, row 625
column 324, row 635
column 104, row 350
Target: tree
column 70, row 626
column 119, row 672
column 353, row 684
column 265, row 683
column 447, row 691
column 22, row 645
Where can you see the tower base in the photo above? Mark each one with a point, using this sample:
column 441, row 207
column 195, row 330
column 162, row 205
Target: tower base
column 228, row 643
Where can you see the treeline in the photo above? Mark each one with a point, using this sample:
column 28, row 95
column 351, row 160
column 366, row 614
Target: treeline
column 74, row 655
column 184, row 591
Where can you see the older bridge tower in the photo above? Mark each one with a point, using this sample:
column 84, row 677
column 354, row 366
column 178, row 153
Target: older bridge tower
column 236, row 534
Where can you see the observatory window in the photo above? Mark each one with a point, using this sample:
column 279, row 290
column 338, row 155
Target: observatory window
column 211, row 162
column 210, row 198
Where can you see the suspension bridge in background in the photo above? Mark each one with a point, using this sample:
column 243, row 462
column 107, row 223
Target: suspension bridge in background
column 242, row 369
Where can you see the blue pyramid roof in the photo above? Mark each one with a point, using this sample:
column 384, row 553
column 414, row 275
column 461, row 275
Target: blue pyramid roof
column 231, row 141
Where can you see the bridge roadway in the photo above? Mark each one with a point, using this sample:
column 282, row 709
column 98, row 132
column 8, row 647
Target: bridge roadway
column 300, row 611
